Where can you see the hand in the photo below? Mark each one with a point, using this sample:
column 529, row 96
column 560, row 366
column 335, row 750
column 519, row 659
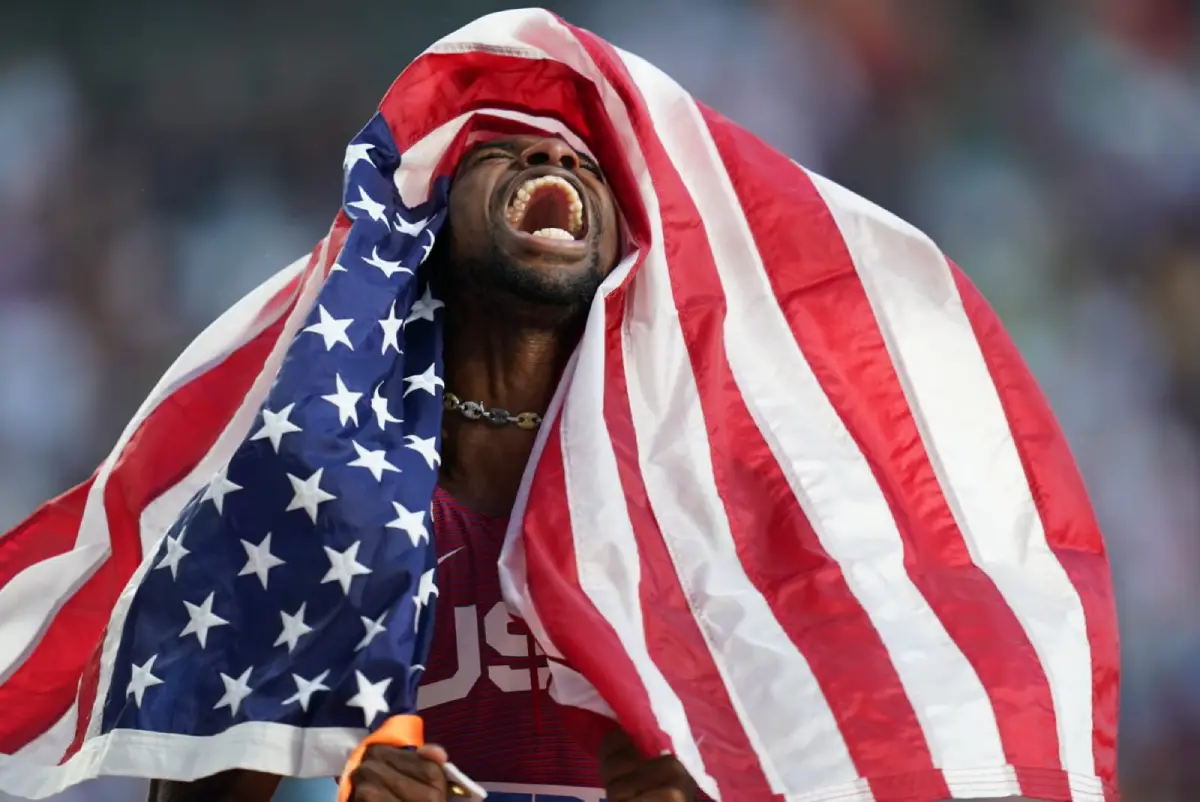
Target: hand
column 629, row 777
column 392, row 774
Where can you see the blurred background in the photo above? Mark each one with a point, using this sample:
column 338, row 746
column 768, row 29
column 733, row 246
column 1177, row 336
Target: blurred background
column 159, row 159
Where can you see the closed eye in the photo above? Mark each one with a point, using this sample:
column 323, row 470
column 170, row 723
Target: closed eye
column 488, row 155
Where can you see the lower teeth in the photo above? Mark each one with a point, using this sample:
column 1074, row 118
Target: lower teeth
column 553, row 233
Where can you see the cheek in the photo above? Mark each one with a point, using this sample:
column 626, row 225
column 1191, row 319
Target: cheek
column 611, row 243
column 467, row 214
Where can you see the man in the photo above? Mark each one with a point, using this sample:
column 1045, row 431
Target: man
column 796, row 515
column 516, row 291
column 532, row 231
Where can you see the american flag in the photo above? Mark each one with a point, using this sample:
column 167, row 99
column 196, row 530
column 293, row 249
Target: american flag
column 798, row 513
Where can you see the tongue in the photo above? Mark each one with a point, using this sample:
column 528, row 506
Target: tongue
column 546, row 209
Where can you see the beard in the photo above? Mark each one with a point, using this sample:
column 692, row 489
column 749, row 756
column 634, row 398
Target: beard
column 493, row 275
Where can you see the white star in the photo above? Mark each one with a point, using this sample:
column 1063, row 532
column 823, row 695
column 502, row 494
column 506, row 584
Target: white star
column 374, row 461
column 428, row 381
column 369, row 697
column 389, row 268
column 426, row 447
column 424, row 307
column 356, row 154
column 307, row 494
column 235, row 691
column 411, row 523
column 259, row 560
column 337, row 268
column 425, row 589
column 305, row 688
column 140, row 679
column 276, row 425
column 344, row 566
column 376, row 211
column 175, row 553
column 333, row 331
column 293, row 628
column 218, row 489
column 374, row 629
column 412, row 229
column 345, row 401
column 201, row 620
column 391, row 330
column 379, row 407
column 428, row 248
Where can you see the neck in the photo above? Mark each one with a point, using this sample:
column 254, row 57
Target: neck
column 504, row 358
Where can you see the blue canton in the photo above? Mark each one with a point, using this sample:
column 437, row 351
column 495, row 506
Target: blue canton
column 299, row 586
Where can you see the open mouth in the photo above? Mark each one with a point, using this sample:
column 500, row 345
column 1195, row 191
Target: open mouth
column 548, row 207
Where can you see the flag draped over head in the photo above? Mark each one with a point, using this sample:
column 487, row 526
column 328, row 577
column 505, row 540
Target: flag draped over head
column 798, row 513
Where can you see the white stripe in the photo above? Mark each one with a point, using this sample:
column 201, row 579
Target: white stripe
column 514, row 575
column 832, row 480
column 606, row 549
column 31, row 598
column 777, row 698
column 262, row 746
column 966, row 432
column 569, row 687
column 49, row 747
column 517, row 32
column 29, row 601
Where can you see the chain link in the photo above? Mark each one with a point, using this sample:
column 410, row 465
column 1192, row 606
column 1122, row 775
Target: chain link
column 473, row 410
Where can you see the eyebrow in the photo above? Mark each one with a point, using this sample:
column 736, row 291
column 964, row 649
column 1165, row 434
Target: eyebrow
column 516, row 149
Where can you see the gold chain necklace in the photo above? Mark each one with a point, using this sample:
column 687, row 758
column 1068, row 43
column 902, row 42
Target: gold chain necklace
column 473, row 410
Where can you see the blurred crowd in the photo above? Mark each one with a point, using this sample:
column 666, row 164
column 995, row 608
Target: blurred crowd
column 157, row 160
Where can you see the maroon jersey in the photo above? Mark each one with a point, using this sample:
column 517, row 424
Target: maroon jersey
column 478, row 697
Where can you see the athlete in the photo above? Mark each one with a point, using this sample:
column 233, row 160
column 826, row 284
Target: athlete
column 532, row 232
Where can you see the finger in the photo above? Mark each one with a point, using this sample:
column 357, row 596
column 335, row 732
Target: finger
column 433, row 753
column 407, row 762
column 380, row 781
column 618, row 756
column 664, row 775
column 664, row 795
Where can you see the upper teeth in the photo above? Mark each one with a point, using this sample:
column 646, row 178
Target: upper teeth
column 516, row 210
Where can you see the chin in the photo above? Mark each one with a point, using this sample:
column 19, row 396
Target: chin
column 548, row 282
column 537, row 276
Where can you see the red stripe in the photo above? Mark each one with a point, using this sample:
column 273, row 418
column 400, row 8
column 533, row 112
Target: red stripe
column 805, row 588
column 50, row 531
column 672, row 633
column 1066, row 513
column 776, row 544
column 166, row 446
column 586, row 639
column 814, row 280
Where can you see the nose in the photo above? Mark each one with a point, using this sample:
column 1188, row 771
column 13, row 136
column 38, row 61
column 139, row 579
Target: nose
column 551, row 150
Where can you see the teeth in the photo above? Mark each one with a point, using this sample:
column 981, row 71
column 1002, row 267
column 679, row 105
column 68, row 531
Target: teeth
column 554, row 233
column 516, row 210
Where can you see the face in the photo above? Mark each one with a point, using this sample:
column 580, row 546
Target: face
column 532, row 217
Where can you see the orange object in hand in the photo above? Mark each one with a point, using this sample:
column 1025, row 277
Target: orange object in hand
column 396, row 731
